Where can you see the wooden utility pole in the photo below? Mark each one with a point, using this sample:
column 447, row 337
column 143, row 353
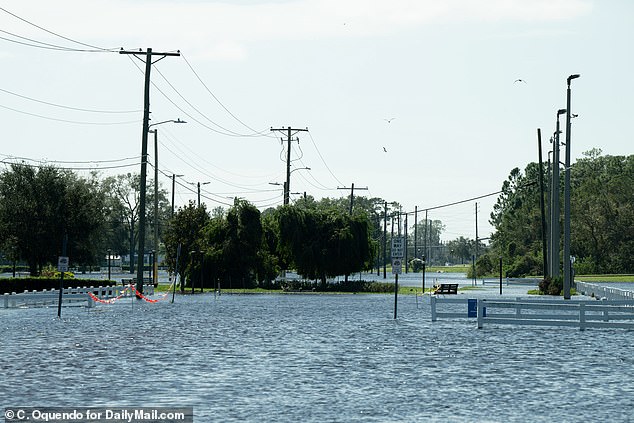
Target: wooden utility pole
column 352, row 194
column 351, row 205
column 289, row 137
column 146, row 124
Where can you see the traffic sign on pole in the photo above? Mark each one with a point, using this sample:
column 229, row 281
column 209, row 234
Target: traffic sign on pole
column 62, row 264
column 397, row 266
column 397, row 247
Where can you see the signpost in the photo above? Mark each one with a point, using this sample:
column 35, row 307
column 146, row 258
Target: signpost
column 62, row 266
column 397, row 266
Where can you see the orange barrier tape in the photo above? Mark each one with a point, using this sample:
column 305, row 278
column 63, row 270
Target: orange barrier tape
column 110, row 300
column 137, row 293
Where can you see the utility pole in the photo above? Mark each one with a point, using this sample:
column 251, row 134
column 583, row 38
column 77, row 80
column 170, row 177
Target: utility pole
column 385, row 241
column 351, row 205
column 405, row 243
column 352, row 194
column 425, row 237
column 174, row 189
column 289, row 137
column 146, row 123
column 475, row 273
column 204, row 183
column 415, row 231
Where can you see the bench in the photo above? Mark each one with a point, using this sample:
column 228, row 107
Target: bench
column 446, row 288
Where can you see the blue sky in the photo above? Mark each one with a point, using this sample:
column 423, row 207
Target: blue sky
column 444, row 70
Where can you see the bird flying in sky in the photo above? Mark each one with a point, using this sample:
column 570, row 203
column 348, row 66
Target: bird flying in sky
column 519, row 80
column 389, row 120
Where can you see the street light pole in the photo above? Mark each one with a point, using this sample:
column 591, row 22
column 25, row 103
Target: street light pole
column 156, row 218
column 567, row 281
column 554, row 218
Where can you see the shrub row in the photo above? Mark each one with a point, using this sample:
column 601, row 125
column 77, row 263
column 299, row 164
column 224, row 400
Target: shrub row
column 341, row 286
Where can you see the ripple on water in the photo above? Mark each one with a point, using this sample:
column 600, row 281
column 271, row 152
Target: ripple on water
column 312, row 358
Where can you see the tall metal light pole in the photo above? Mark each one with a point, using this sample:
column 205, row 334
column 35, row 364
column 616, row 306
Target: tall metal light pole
column 567, row 281
column 156, row 219
column 554, row 218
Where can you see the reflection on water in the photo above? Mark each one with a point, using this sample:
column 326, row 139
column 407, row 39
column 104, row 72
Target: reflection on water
column 314, row 358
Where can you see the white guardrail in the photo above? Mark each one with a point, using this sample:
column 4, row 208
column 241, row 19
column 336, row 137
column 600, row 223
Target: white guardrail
column 69, row 295
column 541, row 312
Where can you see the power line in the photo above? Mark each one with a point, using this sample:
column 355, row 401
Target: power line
column 229, row 132
column 96, row 49
column 322, row 159
column 219, row 102
column 189, row 115
column 69, row 107
column 69, row 161
column 67, row 120
column 43, row 164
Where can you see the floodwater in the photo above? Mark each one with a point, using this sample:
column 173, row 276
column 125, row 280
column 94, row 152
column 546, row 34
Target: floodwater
column 312, row 358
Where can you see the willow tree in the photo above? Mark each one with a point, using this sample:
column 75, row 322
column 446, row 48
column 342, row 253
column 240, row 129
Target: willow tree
column 323, row 243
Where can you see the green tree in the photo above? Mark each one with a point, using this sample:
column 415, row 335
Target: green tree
column 38, row 206
column 123, row 205
column 323, row 243
column 516, row 218
column 602, row 213
column 185, row 229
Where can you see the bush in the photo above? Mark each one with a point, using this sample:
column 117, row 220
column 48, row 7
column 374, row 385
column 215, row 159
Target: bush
column 341, row 286
column 551, row 286
column 416, row 265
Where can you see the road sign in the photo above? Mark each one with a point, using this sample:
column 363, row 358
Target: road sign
column 397, row 247
column 397, row 266
column 62, row 264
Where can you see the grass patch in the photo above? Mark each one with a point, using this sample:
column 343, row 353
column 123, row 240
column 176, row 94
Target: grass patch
column 605, row 278
column 538, row 292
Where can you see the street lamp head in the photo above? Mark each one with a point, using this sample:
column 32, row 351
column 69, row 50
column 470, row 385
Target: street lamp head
column 573, row 76
column 165, row 121
column 561, row 112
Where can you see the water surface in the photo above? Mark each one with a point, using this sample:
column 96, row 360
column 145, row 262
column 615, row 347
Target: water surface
column 313, row 358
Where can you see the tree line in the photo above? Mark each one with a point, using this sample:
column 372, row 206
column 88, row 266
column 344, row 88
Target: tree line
column 242, row 246
column 602, row 212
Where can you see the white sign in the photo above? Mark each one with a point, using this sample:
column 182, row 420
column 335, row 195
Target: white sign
column 397, row 266
column 397, row 247
column 62, row 264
